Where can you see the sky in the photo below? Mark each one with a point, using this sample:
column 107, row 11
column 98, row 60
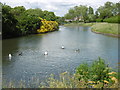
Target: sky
column 59, row 7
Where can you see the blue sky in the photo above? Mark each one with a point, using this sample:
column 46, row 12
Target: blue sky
column 59, row 7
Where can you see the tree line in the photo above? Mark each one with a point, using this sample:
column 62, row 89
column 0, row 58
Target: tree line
column 18, row 21
column 109, row 12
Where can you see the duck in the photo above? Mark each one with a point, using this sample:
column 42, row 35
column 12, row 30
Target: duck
column 78, row 50
column 20, row 54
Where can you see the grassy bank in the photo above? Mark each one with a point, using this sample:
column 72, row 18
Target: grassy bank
column 94, row 75
column 79, row 24
column 110, row 29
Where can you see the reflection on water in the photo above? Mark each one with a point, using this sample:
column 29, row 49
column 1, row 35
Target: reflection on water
column 32, row 62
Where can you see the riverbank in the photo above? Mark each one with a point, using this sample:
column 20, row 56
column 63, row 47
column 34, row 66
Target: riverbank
column 110, row 29
column 79, row 24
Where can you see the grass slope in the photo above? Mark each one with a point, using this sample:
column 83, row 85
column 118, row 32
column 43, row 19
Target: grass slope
column 106, row 28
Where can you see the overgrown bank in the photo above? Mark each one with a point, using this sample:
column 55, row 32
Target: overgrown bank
column 95, row 75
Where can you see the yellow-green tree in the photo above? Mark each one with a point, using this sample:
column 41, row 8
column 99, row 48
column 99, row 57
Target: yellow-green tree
column 47, row 26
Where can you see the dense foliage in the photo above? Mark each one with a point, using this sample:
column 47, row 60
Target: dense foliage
column 114, row 19
column 18, row 21
column 83, row 13
column 97, row 72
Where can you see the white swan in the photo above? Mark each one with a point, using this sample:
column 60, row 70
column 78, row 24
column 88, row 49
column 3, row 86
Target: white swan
column 46, row 53
column 62, row 47
column 10, row 56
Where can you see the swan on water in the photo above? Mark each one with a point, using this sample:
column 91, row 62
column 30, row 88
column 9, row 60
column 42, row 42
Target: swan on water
column 46, row 53
column 62, row 47
column 10, row 56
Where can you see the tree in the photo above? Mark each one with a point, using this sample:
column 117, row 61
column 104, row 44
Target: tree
column 96, row 14
column 8, row 23
column 78, row 12
column 17, row 11
column 108, row 10
column 90, row 10
column 50, row 16
column 28, row 23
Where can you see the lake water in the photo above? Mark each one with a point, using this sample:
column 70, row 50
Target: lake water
column 32, row 62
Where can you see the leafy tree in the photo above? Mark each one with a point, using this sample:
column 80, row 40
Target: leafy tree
column 8, row 23
column 50, row 16
column 60, row 20
column 78, row 12
column 28, row 24
column 90, row 10
column 17, row 11
column 35, row 12
column 108, row 10
column 96, row 14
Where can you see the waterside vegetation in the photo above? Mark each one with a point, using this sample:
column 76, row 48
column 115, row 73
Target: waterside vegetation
column 96, row 75
column 18, row 21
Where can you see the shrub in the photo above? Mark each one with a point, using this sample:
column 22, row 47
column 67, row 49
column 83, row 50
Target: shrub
column 99, row 20
column 97, row 71
column 47, row 26
column 114, row 19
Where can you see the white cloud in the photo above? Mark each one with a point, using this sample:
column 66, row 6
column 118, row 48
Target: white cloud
column 60, row 7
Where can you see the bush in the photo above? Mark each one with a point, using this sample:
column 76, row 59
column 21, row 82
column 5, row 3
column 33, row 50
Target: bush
column 114, row 19
column 99, row 20
column 47, row 26
column 98, row 71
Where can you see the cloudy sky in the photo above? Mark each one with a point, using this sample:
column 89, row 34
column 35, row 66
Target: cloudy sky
column 59, row 7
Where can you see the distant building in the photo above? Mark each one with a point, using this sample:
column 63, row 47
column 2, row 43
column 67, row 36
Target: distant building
column 80, row 18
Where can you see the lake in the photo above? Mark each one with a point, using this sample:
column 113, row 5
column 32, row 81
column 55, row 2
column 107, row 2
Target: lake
column 33, row 62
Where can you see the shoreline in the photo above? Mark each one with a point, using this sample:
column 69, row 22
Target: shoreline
column 107, row 34
column 99, row 29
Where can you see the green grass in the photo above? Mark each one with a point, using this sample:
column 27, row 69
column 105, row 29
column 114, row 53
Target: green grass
column 79, row 24
column 107, row 28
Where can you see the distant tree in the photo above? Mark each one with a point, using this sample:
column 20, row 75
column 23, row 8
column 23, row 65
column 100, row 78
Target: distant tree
column 116, row 10
column 96, row 14
column 106, row 11
column 60, row 20
column 77, row 12
column 90, row 10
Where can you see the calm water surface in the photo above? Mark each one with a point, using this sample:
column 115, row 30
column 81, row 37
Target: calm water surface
column 33, row 63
